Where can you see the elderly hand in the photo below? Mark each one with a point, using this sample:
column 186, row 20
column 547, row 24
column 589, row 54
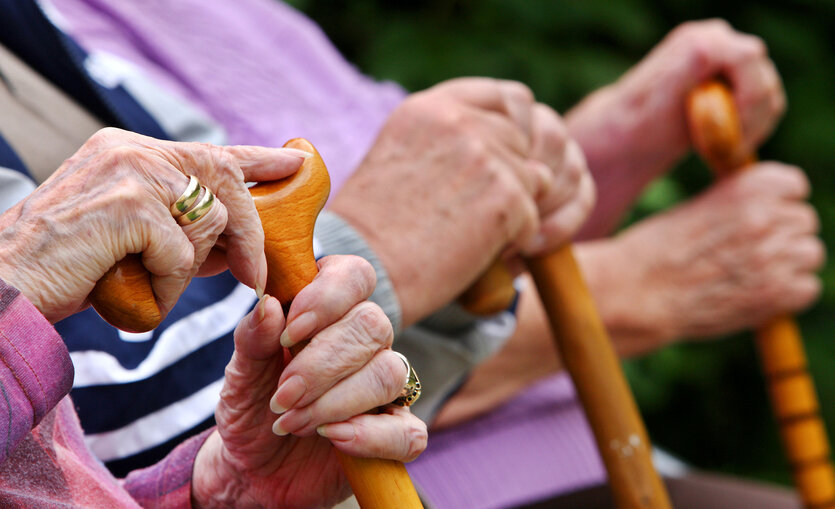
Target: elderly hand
column 113, row 198
column 458, row 173
column 347, row 369
column 646, row 106
column 636, row 129
column 739, row 254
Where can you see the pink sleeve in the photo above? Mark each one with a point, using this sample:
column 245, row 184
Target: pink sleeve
column 167, row 484
column 35, row 368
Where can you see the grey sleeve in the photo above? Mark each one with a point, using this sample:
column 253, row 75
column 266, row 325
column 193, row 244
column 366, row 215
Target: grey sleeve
column 444, row 347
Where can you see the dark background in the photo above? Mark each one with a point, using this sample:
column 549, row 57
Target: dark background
column 705, row 402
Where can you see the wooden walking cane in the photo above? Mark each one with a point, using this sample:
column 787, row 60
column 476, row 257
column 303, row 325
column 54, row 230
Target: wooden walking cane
column 590, row 359
column 717, row 136
column 288, row 210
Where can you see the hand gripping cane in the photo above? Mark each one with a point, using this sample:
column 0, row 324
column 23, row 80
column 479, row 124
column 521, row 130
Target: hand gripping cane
column 717, row 136
column 288, row 210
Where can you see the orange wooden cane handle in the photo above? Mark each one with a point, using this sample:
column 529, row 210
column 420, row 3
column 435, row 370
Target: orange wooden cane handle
column 124, row 297
column 717, row 136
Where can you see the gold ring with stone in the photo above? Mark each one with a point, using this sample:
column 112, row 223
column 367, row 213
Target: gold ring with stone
column 411, row 387
column 200, row 209
column 187, row 199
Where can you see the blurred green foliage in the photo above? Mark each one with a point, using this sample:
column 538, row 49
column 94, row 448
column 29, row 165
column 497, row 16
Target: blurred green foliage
column 706, row 401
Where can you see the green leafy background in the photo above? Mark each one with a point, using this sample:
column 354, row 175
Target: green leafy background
column 704, row 402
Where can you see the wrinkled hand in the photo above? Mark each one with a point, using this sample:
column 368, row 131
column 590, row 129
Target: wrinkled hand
column 640, row 119
column 741, row 253
column 458, row 173
column 347, row 369
column 112, row 198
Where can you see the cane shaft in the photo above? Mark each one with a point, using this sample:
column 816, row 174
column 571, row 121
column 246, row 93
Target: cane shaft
column 717, row 135
column 288, row 211
column 589, row 357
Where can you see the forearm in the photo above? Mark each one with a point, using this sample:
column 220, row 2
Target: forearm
column 35, row 372
column 610, row 126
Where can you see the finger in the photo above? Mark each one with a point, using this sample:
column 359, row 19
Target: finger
column 558, row 228
column 771, row 178
column 167, row 253
column 397, row 435
column 549, row 136
column 256, row 336
column 218, row 170
column 509, row 98
column 342, row 283
column 204, row 232
column 805, row 290
column 257, row 358
column 261, row 164
column 335, row 353
column 378, row 383
column 566, row 180
column 214, row 264
column 807, row 254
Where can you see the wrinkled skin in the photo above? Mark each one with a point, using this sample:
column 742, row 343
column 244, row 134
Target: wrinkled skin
column 347, row 369
column 635, row 129
column 458, row 173
column 717, row 264
column 743, row 252
column 113, row 197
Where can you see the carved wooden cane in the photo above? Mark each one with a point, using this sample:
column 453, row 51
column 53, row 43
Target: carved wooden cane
column 717, row 136
column 288, row 210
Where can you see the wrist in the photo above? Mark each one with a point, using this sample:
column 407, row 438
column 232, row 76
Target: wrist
column 209, row 486
column 628, row 128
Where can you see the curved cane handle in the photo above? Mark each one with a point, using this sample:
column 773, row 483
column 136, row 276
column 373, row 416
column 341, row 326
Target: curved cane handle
column 717, row 136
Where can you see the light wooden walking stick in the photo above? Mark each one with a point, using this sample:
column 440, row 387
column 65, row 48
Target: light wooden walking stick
column 288, row 210
column 590, row 359
column 717, row 136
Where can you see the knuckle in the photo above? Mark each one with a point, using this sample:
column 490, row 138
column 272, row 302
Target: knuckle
column 475, row 152
column 390, row 377
column 756, row 220
column 120, row 154
column 364, row 275
column 371, row 319
column 105, row 135
column 416, row 439
column 517, row 92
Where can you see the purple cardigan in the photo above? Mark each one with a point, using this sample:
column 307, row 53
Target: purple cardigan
column 43, row 459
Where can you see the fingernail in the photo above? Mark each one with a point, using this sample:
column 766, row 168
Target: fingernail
column 298, row 153
column 302, row 326
column 260, row 310
column 288, row 394
column 338, row 431
column 261, row 278
column 277, row 429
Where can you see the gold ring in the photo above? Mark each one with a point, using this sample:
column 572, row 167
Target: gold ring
column 187, row 199
column 201, row 209
column 411, row 387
